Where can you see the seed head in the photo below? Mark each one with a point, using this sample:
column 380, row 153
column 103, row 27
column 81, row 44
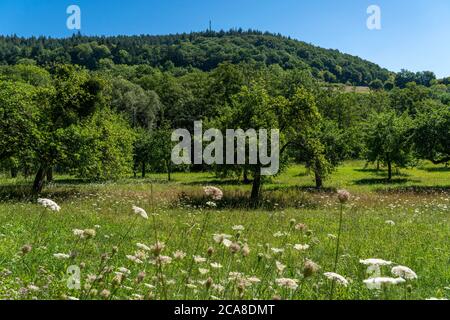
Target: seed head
column 310, row 268
column 26, row 249
column 343, row 196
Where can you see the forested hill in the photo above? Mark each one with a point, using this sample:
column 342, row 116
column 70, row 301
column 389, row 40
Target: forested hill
column 203, row 50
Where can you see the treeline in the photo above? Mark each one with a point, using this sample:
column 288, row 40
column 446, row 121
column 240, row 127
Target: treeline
column 117, row 120
column 203, row 51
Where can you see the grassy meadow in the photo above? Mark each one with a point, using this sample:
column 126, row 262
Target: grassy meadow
column 188, row 249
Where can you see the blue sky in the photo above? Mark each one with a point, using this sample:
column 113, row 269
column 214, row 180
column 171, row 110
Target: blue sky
column 415, row 34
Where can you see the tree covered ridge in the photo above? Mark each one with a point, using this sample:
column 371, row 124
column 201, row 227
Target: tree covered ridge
column 200, row 50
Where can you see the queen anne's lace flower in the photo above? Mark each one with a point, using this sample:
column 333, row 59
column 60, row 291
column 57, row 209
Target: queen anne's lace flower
column 336, row 277
column 61, row 256
column 140, row 212
column 143, row 247
column 287, row 283
column 50, row 204
column 377, row 283
column 404, row 272
column 375, row 262
column 301, row 247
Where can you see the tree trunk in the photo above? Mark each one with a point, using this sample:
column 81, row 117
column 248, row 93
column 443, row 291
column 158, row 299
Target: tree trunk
column 256, row 188
column 38, row 184
column 14, row 172
column 389, row 170
column 169, row 168
column 246, row 179
column 319, row 180
column 143, row 170
column 49, row 174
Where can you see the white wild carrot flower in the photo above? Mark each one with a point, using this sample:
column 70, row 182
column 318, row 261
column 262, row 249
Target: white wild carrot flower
column 203, row 271
column 287, row 283
column 238, row 228
column 254, row 279
column 379, row 282
column 301, row 247
column 336, row 277
column 78, row 233
column 219, row 238
column 140, row 212
column 161, row 260
column 134, row 259
column 404, row 272
column 61, row 256
column 216, row 265
column 277, row 250
column 199, row 259
column 50, row 204
column 280, row 267
column 143, row 246
column 124, row 270
column 375, row 262
column 33, row 288
column 179, row 255
column 211, row 204
column 70, row 298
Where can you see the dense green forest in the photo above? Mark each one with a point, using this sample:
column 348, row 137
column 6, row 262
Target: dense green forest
column 204, row 51
column 102, row 107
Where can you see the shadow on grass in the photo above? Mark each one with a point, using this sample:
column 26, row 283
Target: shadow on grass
column 216, row 182
column 420, row 190
column 441, row 169
column 307, row 189
column 381, row 172
column 23, row 192
column 385, row 181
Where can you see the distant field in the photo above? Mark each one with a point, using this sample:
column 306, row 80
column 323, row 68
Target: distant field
column 406, row 222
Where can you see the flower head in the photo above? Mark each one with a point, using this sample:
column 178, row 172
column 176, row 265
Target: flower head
column 213, row 192
column 61, row 256
column 179, row 255
column 377, row 283
column 140, row 212
column 343, row 196
column 375, row 262
column 26, row 249
column 50, row 204
column 143, row 247
column 404, row 272
column 310, row 268
column 336, row 277
column 301, row 247
column 211, row 204
column 287, row 283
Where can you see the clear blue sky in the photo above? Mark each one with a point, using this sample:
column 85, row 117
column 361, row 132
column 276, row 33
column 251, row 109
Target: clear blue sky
column 415, row 34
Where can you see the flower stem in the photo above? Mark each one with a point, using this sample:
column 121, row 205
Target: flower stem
column 336, row 258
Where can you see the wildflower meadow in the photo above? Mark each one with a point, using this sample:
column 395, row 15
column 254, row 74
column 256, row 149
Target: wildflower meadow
column 195, row 238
